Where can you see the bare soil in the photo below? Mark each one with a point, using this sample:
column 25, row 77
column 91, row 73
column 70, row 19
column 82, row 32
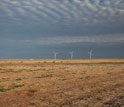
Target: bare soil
column 62, row 83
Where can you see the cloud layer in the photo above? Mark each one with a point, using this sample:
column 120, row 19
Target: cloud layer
column 61, row 17
column 93, row 11
column 101, row 39
column 32, row 24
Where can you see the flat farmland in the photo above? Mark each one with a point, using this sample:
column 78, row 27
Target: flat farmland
column 62, row 83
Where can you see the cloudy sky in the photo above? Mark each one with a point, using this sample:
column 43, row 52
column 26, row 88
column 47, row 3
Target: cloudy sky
column 37, row 28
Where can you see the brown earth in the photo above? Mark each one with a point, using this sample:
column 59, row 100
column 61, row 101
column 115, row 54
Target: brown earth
column 62, row 83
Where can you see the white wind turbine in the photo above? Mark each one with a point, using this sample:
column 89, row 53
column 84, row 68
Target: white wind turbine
column 71, row 54
column 90, row 54
column 55, row 54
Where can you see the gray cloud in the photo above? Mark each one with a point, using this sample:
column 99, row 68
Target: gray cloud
column 58, row 22
column 56, row 10
column 52, row 41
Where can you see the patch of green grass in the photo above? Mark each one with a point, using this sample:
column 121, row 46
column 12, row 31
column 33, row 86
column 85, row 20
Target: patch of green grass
column 9, row 70
column 18, row 79
column 17, row 86
column 3, row 90
column 43, row 69
column 13, row 87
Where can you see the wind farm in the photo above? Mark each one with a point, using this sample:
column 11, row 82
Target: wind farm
column 62, row 81
column 61, row 53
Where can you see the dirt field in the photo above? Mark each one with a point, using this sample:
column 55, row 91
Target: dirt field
column 62, row 83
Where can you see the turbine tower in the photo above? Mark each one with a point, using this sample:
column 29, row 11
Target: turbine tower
column 55, row 54
column 90, row 54
column 71, row 54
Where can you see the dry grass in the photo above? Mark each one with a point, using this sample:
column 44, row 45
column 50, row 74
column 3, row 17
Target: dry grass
column 62, row 83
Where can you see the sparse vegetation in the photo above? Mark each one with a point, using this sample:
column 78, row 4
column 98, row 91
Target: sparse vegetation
column 81, row 77
column 18, row 79
column 71, row 83
column 16, row 86
column 44, row 76
column 9, row 70
column 3, row 90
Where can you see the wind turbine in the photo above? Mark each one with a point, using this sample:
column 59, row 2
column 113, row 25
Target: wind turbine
column 90, row 53
column 55, row 54
column 71, row 53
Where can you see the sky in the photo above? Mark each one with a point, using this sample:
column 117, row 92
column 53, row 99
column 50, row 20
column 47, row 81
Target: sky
column 34, row 29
